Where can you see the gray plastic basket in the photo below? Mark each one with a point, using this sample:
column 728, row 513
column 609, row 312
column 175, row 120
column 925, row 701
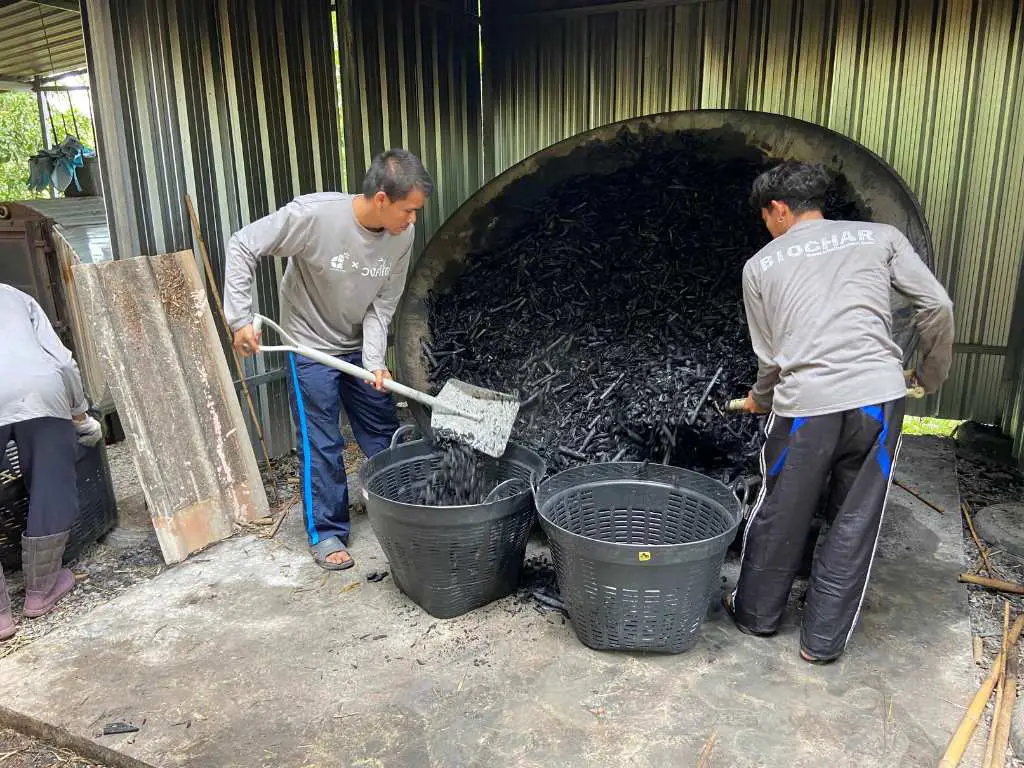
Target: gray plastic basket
column 450, row 560
column 638, row 551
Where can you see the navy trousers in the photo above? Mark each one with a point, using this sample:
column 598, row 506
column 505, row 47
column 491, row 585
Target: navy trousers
column 318, row 394
column 850, row 456
column 47, row 448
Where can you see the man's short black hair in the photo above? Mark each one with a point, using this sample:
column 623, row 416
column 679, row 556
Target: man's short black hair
column 801, row 186
column 396, row 173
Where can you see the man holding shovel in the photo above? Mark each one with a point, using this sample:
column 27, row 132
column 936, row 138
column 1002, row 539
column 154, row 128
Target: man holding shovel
column 819, row 312
column 347, row 261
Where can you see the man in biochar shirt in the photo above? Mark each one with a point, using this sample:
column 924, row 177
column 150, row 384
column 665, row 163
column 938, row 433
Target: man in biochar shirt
column 819, row 313
column 347, row 261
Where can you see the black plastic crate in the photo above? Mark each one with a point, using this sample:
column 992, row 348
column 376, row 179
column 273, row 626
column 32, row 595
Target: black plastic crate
column 97, row 508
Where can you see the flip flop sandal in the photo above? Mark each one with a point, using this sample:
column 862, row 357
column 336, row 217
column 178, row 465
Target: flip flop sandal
column 814, row 660
column 731, row 610
column 328, row 547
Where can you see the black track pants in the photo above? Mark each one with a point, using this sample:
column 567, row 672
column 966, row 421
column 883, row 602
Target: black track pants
column 46, row 452
column 851, row 455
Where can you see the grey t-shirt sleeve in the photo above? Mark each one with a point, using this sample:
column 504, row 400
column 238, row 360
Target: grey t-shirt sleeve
column 284, row 233
column 760, row 339
column 381, row 310
column 52, row 345
column 934, row 311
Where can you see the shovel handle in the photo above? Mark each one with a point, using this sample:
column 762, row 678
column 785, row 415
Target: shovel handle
column 346, row 367
column 914, row 393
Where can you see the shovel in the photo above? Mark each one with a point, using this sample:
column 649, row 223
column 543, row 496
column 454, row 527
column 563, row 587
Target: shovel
column 478, row 417
column 915, row 392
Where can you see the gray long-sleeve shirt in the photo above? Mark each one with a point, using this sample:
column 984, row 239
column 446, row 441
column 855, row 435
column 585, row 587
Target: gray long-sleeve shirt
column 38, row 376
column 343, row 281
column 818, row 307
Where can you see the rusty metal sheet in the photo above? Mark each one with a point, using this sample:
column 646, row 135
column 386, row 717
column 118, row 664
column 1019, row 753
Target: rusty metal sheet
column 152, row 326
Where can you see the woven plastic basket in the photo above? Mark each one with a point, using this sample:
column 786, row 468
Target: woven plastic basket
column 97, row 511
column 449, row 560
column 638, row 551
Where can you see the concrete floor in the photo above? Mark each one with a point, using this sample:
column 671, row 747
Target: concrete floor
column 249, row 655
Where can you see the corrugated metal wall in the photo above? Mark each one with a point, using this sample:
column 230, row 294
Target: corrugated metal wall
column 410, row 75
column 233, row 102
column 935, row 87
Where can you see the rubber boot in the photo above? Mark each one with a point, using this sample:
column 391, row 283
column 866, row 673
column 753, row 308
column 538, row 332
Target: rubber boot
column 45, row 581
column 6, row 620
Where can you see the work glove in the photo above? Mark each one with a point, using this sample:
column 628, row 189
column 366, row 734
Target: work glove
column 89, row 431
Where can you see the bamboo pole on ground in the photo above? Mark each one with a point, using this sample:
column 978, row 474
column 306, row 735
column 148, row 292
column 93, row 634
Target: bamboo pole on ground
column 996, row 584
column 990, row 746
column 962, row 736
column 917, row 495
column 982, row 549
column 1003, row 719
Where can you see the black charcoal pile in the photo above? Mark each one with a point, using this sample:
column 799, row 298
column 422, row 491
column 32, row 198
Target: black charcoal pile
column 457, row 479
column 613, row 305
column 538, row 583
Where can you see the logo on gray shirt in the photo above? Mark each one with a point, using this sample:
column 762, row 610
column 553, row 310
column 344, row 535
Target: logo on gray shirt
column 837, row 241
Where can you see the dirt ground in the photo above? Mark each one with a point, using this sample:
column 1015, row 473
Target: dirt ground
column 127, row 556
column 986, row 473
column 20, row 751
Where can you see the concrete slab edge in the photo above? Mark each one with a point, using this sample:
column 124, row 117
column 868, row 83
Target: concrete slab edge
column 64, row 739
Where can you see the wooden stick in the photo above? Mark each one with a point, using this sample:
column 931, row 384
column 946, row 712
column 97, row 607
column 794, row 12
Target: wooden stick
column 705, row 754
column 962, row 736
column 215, row 291
column 917, row 495
column 982, row 549
column 1005, row 714
column 990, row 747
column 978, row 648
column 996, row 584
column 277, row 525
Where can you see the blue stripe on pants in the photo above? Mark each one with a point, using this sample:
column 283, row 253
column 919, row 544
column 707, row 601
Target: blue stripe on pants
column 776, row 468
column 307, row 491
column 884, row 459
column 318, row 394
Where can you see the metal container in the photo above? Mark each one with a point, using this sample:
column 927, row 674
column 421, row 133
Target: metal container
column 449, row 560
column 97, row 510
column 638, row 551
column 498, row 206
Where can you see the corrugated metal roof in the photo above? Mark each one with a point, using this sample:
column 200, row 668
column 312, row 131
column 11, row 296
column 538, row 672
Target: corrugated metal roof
column 936, row 89
column 38, row 39
column 82, row 221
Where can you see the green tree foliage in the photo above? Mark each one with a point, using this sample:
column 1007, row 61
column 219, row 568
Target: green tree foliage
column 19, row 140
column 21, row 137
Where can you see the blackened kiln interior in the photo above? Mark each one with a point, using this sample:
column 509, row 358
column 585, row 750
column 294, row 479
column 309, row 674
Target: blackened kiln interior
column 612, row 303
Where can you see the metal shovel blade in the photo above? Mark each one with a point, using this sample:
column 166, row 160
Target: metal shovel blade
column 487, row 423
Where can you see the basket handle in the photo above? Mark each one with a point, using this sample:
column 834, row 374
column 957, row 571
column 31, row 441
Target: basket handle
column 744, row 484
column 534, row 487
column 405, row 429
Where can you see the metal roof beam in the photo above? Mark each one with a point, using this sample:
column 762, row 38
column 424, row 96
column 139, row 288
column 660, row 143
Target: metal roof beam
column 14, row 85
column 72, row 73
column 61, row 5
column 506, row 12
